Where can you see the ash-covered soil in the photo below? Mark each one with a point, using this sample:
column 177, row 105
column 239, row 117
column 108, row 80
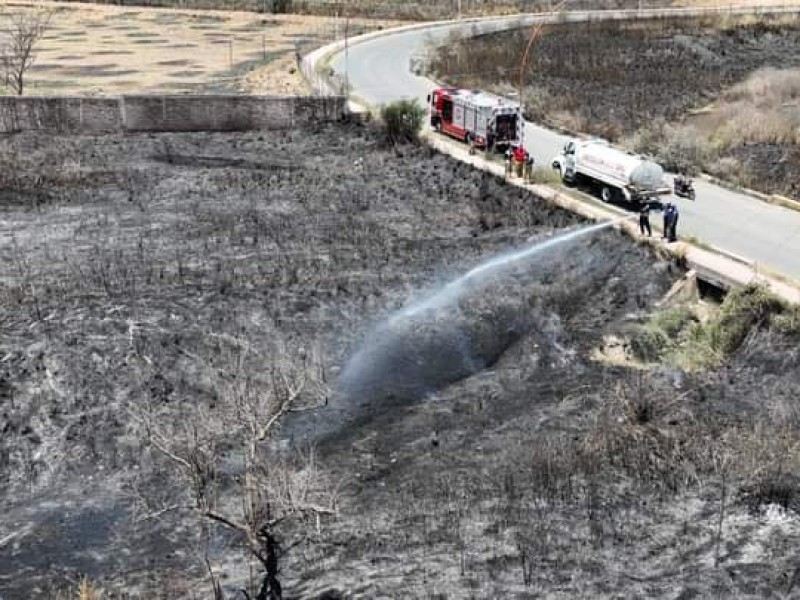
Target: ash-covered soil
column 162, row 282
column 549, row 475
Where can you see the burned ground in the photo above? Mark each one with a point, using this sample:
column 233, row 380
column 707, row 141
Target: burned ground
column 637, row 83
column 157, row 271
column 548, row 475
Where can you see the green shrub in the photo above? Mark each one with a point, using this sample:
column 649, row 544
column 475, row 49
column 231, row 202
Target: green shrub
column 649, row 342
column 545, row 176
column 654, row 340
column 402, row 121
column 676, row 337
column 708, row 344
column 674, row 320
column 741, row 310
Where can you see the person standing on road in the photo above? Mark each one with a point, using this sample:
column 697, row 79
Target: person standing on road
column 673, row 224
column 528, row 167
column 666, row 214
column 519, row 159
column 644, row 219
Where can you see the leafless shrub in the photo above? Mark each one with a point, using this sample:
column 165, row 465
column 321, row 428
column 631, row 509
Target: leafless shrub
column 728, row 168
column 680, row 148
column 18, row 50
column 268, row 489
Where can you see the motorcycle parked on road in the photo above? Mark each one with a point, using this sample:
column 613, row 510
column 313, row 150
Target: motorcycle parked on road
column 684, row 187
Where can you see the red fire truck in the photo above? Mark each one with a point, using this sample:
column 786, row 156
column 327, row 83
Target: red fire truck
column 486, row 120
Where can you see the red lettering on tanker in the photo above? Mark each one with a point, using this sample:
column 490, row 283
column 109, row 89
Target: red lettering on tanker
column 615, row 168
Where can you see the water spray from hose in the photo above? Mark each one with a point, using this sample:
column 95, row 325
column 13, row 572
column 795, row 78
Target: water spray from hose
column 459, row 330
column 452, row 290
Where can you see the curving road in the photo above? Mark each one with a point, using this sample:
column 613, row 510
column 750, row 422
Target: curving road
column 378, row 70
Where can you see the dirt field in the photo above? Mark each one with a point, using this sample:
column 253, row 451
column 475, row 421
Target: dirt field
column 92, row 49
column 385, row 9
column 151, row 276
column 639, row 82
column 432, row 10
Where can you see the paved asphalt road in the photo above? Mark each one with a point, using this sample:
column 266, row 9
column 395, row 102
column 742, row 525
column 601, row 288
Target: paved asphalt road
column 379, row 72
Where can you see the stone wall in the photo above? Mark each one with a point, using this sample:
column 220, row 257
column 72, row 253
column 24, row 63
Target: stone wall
column 62, row 114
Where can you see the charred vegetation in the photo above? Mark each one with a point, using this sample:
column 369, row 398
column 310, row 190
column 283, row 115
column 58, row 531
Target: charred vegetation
column 161, row 319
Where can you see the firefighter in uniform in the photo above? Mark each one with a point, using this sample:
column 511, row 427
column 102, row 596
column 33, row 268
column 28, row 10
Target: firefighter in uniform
column 528, row 167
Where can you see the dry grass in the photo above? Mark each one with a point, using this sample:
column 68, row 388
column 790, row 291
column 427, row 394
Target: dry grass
column 88, row 591
column 762, row 109
column 545, row 175
column 432, row 10
column 92, row 49
column 729, row 3
column 417, row 10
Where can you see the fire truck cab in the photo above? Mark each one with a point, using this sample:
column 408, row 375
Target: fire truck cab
column 486, row 120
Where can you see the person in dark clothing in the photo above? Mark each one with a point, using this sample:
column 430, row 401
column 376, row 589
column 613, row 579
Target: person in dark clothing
column 644, row 219
column 667, row 215
column 528, row 168
column 672, row 236
column 670, row 222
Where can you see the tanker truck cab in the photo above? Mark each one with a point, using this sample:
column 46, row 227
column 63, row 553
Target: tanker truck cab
column 618, row 176
column 565, row 163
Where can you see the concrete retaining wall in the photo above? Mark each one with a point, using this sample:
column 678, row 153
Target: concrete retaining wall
column 62, row 114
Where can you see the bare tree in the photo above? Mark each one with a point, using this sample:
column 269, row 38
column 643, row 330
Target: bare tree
column 268, row 489
column 22, row 34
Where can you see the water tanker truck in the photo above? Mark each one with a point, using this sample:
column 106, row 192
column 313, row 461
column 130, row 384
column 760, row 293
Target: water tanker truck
column 618, row 175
